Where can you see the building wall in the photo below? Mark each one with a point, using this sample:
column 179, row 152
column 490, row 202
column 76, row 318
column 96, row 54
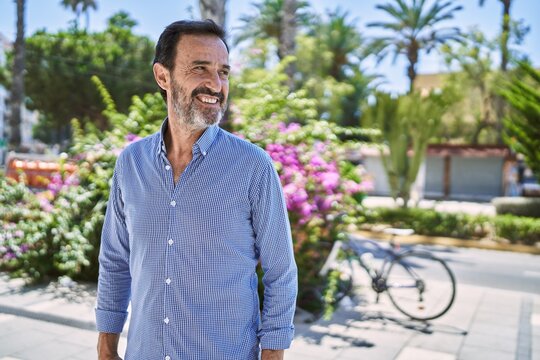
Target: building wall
column 375, row 168
column 434, row 186
column 476, row 178
column 471, row 178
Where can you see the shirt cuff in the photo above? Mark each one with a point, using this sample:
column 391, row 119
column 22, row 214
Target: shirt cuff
column 110, row 321
column 278, row 339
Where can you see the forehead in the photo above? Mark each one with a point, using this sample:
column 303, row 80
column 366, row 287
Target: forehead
column 201, row 48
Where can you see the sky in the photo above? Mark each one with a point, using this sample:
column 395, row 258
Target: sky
column 153, row 16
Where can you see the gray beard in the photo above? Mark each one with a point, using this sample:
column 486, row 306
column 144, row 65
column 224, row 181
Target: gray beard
column 190, row 116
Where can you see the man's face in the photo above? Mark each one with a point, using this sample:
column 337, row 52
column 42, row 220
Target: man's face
column 200, row 81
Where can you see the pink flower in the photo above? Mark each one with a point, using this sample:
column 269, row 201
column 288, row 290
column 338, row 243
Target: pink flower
column 132, row 138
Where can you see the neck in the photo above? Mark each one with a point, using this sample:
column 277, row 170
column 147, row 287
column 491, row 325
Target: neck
column 179, row 138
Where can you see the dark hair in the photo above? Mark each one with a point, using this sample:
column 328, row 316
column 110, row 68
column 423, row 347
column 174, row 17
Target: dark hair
column 169, row 38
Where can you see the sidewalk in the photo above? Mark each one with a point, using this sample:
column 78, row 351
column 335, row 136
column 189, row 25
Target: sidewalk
column 483, row 324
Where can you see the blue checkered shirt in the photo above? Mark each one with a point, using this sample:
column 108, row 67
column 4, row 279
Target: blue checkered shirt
column 185, row 254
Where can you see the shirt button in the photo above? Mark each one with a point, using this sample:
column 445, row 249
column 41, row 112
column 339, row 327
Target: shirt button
column 204, row 153
column 173, row 203
column 171, row 241
column 168, row 281
column 167, row 357
column 166, row 320
column 168, row 167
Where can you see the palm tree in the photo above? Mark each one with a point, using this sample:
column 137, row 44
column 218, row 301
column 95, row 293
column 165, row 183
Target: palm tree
column 341, row 38
column 214, row 10
column 505, row 33
column 415, row 29
column 17, row 87
column 79, row 7
column 269, row 20
column 332, row 57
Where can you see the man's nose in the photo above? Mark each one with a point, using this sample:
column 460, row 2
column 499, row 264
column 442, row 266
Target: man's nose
column 214, row 82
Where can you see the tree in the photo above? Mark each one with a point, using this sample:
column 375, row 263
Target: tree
column 522, row 125
column 287, row 41
column 505, row 31
column 17, row 87
column 406, row 123
column 332, row 53
column 415, row 29
column 60, row 66
column 475, row 116
column 214, row 10
column 269, row 19
column 79, row 7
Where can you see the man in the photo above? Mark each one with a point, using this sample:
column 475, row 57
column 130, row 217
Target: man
column 192, row 210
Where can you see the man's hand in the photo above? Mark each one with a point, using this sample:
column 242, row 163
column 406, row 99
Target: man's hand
column 107, row 347
column 272, row 354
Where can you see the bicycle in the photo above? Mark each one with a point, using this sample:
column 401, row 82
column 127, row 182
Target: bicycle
column 419, row 284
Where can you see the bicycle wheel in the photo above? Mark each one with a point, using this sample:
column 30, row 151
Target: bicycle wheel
column 420, row 285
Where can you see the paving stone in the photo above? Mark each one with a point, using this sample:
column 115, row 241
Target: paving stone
column 479, row 353
column 314, row 350
column 446, row 343
column 414, row 353
column 495, row 330
column 21, row 340
column 49, row 351
column 496, row 343
column 494, row 319
column 377, row 352
column 535, row 320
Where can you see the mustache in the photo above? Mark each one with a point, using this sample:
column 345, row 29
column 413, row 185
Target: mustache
column 205, row 91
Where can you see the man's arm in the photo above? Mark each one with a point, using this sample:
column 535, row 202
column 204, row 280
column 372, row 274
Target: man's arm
column 274, row 244
column 107, row 347
column 272, row 354
column 114, row 276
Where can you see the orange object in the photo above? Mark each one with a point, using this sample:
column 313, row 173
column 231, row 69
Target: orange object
column 37, row 173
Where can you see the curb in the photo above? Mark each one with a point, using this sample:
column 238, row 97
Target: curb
column 57, row 319
column 448, row 241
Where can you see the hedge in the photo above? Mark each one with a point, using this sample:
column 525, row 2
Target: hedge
column 516, row 229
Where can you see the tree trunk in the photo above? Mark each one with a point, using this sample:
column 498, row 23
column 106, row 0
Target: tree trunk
column 505, row 35
column 16, row 102
column 500, row 108
column 412, row 56
column 214, row 10
column 287, row 42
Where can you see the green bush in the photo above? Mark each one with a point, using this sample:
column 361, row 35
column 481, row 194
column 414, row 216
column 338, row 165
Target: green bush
column 57, row 232
column 524, row 230
column 516, row 229
column 520, row 206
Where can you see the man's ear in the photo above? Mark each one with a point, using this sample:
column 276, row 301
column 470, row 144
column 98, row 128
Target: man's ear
column 162, row 76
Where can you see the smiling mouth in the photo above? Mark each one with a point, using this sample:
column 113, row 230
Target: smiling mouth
column 210, row 100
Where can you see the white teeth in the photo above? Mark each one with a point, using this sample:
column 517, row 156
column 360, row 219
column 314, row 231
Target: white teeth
column 208, row 100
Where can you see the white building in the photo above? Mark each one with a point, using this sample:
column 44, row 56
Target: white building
column 454, row 172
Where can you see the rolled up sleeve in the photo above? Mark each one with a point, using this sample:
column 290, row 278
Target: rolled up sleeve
column 114, row 281
column 273, row 241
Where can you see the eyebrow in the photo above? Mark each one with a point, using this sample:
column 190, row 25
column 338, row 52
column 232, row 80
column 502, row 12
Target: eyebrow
column 203, row 62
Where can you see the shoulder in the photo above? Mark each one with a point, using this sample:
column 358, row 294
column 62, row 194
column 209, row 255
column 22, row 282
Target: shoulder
column 244, row 150
column 137, row 151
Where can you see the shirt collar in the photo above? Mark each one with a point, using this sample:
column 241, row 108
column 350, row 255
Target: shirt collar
column 203, row 143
